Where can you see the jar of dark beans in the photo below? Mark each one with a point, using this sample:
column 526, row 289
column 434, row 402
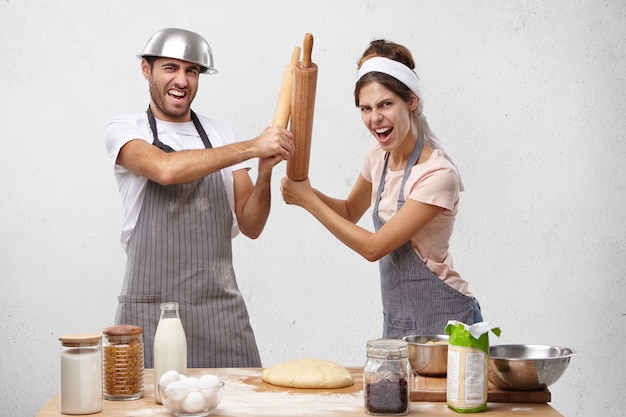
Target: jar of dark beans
column 386, row 378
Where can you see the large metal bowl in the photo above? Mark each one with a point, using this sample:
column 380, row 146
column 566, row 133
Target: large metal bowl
column 527, row 367
column 180, row 44
column 428, row 354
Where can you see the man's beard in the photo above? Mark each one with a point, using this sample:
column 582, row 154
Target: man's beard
column 167, row 110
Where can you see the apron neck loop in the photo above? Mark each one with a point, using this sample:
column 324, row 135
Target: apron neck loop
column 155, row 137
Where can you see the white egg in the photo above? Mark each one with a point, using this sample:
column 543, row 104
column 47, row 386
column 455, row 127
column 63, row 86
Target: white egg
column 209, row 381
column 191, row 383
column 172, row 405
column 176, row 390
column 193, row 402
column 208, row 386
column 169, row 376
column 210, row 402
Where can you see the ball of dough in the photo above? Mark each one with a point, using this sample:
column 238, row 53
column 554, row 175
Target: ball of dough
column 308, row 373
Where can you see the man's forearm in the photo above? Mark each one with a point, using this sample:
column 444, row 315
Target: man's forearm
column 257, row 207
column 185, row 166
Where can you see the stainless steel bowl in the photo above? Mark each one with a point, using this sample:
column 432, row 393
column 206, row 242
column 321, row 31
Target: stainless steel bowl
column 180, row 44
column 428, row 354
column 527, row 367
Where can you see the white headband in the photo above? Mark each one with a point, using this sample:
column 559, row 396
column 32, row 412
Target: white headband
column 396, row 69
column 406, row 76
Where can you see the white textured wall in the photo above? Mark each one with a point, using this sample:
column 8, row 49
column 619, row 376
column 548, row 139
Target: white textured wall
column 530, row 96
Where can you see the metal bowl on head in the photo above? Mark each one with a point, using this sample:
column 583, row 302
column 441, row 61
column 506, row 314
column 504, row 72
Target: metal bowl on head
column 180, row 44
column 527, row 367
column 428, row 354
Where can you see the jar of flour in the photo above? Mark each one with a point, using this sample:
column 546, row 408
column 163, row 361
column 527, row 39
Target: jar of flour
column 81, row 374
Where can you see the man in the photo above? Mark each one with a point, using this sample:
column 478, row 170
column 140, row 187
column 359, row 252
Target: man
column 186, row 192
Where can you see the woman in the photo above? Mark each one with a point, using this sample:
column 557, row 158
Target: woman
column 421, row 291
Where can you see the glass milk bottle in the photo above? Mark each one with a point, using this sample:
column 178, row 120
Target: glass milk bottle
column 81, row 374
column 170, row 345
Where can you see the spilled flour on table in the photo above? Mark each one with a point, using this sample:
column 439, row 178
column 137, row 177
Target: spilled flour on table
column 241, row 399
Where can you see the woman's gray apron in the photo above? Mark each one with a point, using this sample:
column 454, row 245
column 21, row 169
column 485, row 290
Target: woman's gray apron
column 415, row 300
column 181, row 250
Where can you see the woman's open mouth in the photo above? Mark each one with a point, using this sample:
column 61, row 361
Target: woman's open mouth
column 383, row 133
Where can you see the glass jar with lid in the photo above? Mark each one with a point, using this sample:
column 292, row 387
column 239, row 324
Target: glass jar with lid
column 386, row 378
column 123, row 364
column 81, row 373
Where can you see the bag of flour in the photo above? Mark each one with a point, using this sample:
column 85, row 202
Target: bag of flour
column 468, row 365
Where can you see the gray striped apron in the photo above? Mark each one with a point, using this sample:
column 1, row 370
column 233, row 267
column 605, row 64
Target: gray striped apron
column 415, row 300
column 181, row 250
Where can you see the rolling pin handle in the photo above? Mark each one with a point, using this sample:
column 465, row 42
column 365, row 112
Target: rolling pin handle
column 307, row 51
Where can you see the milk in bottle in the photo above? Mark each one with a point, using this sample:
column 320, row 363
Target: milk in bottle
column 170, row 345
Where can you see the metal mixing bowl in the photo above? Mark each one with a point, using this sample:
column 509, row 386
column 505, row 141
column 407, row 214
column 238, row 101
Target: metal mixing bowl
column 428, row 354
column 181, row 44
column 527, row 367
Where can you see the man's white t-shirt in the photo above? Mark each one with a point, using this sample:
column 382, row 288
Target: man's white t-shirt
column 179, row 136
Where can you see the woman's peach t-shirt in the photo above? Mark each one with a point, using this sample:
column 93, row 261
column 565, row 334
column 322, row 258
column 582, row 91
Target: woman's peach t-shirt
column 435, row 182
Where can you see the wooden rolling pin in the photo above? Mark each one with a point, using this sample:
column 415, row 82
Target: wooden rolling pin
column 283, row 106
column 302, row 107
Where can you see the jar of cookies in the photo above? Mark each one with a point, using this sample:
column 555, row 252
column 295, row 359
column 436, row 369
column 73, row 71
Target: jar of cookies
column 122, row 364
column 386, row 378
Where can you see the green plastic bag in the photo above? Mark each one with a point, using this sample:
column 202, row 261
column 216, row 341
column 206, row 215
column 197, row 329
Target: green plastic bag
column 468, row 366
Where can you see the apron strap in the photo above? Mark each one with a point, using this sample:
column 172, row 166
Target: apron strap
column 413, row 157
column 196, row 122
column 201, row 131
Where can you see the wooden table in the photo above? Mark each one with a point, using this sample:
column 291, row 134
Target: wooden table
column 248, row 396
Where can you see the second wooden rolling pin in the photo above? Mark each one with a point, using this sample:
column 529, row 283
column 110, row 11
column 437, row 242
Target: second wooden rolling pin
column 283, row 106
column 302, row 109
